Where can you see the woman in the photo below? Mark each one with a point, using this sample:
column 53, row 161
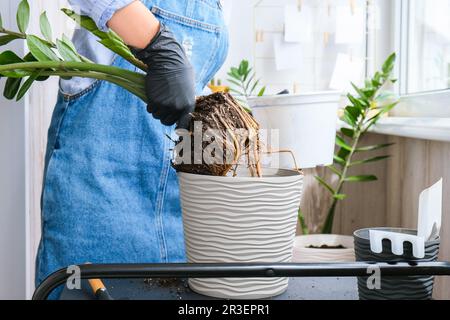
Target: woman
column 110, row 194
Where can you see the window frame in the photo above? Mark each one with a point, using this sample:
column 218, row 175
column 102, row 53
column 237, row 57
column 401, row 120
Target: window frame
column 421, row 104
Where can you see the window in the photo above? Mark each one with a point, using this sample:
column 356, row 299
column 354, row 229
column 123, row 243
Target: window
column 427, row 44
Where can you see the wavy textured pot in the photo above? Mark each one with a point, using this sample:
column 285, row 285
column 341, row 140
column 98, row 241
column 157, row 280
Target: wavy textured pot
column 240, row 219
column 395, row 288
column 297, row 116
column 304, row 254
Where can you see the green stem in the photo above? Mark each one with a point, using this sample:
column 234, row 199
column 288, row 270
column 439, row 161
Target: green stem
column 12, row 33
column 134, row 77
column 303, row 226
column 328, row 226
column 127, row 85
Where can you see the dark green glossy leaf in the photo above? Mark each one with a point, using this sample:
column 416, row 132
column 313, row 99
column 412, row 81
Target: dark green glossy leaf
column 40, row 49
column 354, row 111
column 361, row 178
column 27, row 85
column 12, row 86
column 66, row 52
column 9, row 57
column 4, row 40
column 325, row 184
column 356, row 103
column 23, row 16
column 46, row 29
column 348, row 132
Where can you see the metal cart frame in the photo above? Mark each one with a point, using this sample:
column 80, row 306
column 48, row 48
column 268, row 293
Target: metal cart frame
column 243, row 270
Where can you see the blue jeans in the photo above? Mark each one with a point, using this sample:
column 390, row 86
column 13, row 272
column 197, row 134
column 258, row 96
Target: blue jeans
column 110, row 194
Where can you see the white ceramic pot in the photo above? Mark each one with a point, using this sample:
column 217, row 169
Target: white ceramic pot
column 240, row 219
column 304, row 254
column 306, row 124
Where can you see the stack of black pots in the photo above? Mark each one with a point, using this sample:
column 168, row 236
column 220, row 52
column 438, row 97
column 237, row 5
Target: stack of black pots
column 398, row 287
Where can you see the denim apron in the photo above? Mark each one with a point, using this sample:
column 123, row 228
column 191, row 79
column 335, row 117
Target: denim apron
column 110, row 194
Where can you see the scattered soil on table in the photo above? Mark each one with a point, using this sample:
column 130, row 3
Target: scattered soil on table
column 324, row 246
column 175, row 285
column 222, row 114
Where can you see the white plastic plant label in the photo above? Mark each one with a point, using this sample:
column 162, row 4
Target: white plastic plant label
column 430, row 211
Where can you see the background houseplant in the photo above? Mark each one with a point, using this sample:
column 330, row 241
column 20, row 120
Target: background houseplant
column 366, row 106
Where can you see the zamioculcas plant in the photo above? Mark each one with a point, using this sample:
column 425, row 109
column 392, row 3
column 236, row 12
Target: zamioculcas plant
column 58, row 57
column 243, row 80
column 366, row 107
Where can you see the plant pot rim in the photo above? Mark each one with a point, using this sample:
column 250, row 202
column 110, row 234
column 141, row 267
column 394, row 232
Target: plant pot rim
column 346, row 241
column 363, row 234
column 268, row 174
column 307, row 98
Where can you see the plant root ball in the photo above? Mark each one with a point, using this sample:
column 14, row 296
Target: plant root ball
column 219, row 120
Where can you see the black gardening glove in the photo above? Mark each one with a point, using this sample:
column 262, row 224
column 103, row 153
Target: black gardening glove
column 170, row 84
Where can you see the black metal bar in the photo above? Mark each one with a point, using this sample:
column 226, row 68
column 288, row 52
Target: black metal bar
column 242, row 270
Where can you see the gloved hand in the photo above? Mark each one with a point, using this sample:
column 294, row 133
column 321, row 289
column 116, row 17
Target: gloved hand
column 170, row 84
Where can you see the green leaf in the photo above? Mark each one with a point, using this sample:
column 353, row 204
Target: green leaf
column 234, row 82
column 68, row 43
column 243, row 67
column 356, row 103
column 27, row 85
column 9, row 57
column 12, row 85
column 4, row 40
column 339, row 160
column 23, row 16
column 349, row 119
column 40, row 49
column 66, row 52
column 254, row 85
column 340, row 196
column 388, row 65
column 84, row 21
column 341, row 143
column 348, row 132
column 335, row 171
column 343, row 153
column 354, row 111
column 359, row 91
column 325, row 184
column 261, row 92
column 374, row 159
column 361, row 178
column 374, row 147
column 46, row 29
column 237, row 92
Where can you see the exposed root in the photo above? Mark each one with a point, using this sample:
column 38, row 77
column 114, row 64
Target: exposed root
column 228, row 126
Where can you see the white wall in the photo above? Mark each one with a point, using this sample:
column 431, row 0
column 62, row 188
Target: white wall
column 12, row 187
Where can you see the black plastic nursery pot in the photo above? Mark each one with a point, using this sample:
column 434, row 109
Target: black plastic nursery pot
column 395, row 288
